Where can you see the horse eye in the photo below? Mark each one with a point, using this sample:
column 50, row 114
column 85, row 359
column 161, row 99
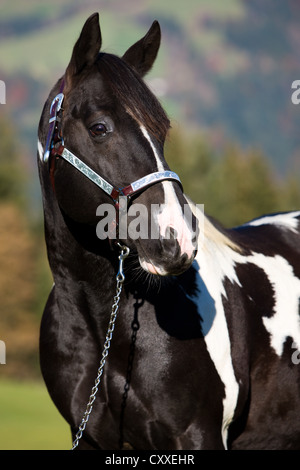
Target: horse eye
column 98, row 129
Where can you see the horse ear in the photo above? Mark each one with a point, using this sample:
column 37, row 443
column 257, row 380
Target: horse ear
column 87, row 47
column 143, row 53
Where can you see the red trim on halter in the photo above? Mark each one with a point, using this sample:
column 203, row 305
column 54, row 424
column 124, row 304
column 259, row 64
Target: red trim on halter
column 115, row 196
column 127, row 190
column 57, row 151
column 51, row 172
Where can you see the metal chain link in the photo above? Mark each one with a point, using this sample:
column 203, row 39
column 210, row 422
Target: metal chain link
column 124, row 252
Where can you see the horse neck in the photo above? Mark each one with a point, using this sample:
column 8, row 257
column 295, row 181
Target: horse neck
column 75, row 253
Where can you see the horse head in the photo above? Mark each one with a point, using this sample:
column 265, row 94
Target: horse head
column 114, row 128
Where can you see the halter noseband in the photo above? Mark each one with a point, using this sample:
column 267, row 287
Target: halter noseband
column 55, row 148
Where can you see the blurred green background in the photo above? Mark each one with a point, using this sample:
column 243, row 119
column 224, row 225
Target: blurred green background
column 29, row 420
column 224, row 75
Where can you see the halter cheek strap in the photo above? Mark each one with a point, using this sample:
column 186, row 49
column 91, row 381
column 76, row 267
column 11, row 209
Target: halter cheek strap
column 55, row 108
column 112, row 191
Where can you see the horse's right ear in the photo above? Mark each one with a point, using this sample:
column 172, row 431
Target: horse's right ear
column 143, row 53
column 87, row 47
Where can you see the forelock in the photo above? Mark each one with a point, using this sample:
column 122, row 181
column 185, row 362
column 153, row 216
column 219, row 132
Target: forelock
column 134, row 95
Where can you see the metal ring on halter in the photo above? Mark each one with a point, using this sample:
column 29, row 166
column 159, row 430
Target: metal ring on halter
column 124, row 253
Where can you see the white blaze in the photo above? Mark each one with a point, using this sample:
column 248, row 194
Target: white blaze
column 170, row 214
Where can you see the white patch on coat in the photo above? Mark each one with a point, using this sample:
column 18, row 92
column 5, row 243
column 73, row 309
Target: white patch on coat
column 170, row 214
column 214, row 264
column 287, row 219
column 216, row 260
column 285, row 321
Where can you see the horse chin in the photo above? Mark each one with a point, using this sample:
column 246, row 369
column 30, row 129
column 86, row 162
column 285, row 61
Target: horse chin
column 173, row 270
column 152, row 268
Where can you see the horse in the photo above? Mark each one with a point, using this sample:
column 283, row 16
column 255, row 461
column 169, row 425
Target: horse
column 201, row 355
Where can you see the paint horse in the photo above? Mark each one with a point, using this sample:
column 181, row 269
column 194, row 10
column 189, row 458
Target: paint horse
column 201, row 356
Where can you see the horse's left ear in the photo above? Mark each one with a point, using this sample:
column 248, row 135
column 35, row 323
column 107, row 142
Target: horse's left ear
column 143, row 53
column 86, row 49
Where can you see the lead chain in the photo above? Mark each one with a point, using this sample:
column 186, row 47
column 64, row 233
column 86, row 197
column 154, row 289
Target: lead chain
column 124, row 252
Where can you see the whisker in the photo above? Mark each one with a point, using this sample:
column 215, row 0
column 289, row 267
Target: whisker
column 140, row 276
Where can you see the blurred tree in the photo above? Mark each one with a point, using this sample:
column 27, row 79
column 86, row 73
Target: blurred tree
column 246, row 187
column 18, row 325
column 18, row 261
column 290, row 196
column 234, row 185
column 12, row 171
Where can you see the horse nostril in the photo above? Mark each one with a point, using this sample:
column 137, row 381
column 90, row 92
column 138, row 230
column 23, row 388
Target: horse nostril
column 171, row 233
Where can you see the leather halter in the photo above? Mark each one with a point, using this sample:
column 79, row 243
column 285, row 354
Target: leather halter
column 55, row 149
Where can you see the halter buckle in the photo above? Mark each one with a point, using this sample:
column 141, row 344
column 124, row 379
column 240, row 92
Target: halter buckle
column 58, row 101
column 54, row 110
